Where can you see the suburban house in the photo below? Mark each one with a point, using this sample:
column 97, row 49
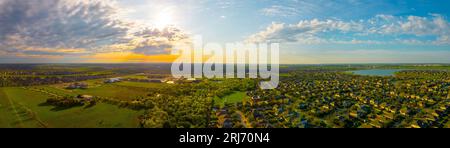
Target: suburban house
column 78, row 85
column 155, row 81
column 193, row 80
column 112, row 80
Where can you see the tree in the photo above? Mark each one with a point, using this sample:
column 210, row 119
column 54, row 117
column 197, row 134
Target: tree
column 155, row 118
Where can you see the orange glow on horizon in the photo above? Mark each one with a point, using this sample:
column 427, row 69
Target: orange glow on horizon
column 128, row 57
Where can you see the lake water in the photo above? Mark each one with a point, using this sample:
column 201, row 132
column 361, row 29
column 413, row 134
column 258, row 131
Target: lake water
column 377, row 72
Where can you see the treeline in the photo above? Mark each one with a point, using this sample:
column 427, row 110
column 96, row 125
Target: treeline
column 14, row 81
column 69, row 101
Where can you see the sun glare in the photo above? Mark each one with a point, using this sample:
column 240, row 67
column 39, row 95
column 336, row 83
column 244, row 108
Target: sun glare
column 163, row 19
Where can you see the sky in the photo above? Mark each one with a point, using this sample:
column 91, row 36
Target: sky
column 309, row 31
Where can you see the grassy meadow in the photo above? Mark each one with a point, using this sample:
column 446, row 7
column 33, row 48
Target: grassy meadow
column 235, row 97
column 21, row 107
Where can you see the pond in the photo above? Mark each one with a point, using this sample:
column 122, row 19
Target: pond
column 376, row 72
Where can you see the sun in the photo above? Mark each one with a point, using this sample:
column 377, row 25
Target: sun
column 164, row 18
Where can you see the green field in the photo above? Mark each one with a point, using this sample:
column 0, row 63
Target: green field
column 284, row 74
column 135, row 76
column 235, row 97
column 113, row 91
column 140, row 84
column 25, row 108
column 126, row 91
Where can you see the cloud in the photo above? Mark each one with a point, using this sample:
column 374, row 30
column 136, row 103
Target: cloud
column 90, row 25
column 304, row 31
column 58, row 24
column 381, row 29
column 224, row 4
column 278, row 10
column 33, row 51
column 153, row 49
column 148, row 41
column 410, row 25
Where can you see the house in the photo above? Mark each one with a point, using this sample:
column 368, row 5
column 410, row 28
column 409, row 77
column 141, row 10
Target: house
column 256, row 98
column 365, row 125
column 215, row 109
column 77, row 85
column 388, row 115
column 442, row 108
column 172, row 80
column 257, row 115
column 113, row 80
column 193, row 80
column 435, row 114
column 353, row 114
column 228, row 123
column 414, row 126
column 155, row 81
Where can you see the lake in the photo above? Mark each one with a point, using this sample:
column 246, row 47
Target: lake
column 376, row 72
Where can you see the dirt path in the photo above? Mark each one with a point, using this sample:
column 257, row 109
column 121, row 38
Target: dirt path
column 34, row 116
column 13, row 107
column 3, row 107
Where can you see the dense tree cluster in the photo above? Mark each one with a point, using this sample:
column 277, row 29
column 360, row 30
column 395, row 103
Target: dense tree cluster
column 65, row 102
column 189, row 105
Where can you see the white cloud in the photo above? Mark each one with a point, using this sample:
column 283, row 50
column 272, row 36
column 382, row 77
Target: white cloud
column 361, row 52
column 278, row 10
column 305, row 31
column 90, row 25
column 356, row 32
column 442, row 40
column 411, row 25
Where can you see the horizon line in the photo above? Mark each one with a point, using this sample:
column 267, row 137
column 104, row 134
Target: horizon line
column 370, row 63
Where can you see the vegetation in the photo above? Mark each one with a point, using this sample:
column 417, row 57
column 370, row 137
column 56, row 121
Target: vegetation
column 309, row 96
column 235, row 97
column 26, row 108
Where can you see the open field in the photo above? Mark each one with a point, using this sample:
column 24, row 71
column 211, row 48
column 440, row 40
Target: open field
column 25, row 108
column 135, row 76
column 235, row 97
column 140, row 84
column 121, row 90
column 113, row 91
